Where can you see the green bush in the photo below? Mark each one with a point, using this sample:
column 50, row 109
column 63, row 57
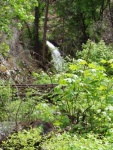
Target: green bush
column 25, row 140
column 5, row 99
column 84, row 94
column 32, row 140
column 99, row 53
column 67, row 141
column 95, row 52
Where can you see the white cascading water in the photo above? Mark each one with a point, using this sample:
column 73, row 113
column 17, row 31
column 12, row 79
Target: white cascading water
column 56, row 56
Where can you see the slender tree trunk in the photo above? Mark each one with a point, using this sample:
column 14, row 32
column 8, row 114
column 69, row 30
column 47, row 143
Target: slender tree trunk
column 85, row 35
column 36, row 34
column 45, row 30
column 104, row 5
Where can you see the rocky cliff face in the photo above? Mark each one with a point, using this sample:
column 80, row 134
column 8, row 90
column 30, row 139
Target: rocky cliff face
column 18, row 63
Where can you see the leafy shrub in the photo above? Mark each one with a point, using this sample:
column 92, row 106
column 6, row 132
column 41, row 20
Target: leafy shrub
column 4, row 48
column 25, row 140
column 67, row 141
column 5, row 98
column 98, row 52
column 31, row 140
column 43, row 78
column 95, row 52
column 84, row 94
column 44, row 111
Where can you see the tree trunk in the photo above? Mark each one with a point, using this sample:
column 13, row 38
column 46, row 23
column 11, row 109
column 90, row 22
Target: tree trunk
column 45, row 30
column 36, row 34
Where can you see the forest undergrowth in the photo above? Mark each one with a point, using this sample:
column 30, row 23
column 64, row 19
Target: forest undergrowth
column 71, row 109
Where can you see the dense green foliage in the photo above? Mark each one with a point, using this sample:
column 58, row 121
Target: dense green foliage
column 85, row 94
column 73, row 22
column 20, row 11
column 96, row 52
column 80, row 21
column 67, row 141
column 28, row 140
column 76, row 113
column 23, row 140
column 80, row 107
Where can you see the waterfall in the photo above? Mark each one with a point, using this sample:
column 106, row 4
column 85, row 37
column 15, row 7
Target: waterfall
column 56, row 56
